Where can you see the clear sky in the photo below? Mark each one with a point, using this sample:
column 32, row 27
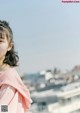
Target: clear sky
column 46, row 33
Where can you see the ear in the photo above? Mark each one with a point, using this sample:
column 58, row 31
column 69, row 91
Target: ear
column 10, row 47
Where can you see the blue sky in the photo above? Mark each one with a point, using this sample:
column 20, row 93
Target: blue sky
column 46, row 33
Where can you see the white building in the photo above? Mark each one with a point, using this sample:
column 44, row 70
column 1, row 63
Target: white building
column 69, row 102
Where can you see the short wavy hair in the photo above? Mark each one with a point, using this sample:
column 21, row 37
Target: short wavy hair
column 11, row 57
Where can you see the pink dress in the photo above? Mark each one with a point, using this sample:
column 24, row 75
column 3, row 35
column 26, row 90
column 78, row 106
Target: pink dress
column 14, row 95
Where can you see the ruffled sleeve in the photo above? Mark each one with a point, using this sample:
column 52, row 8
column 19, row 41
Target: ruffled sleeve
column 12, row 78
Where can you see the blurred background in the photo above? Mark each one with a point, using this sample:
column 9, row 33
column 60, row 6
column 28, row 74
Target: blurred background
column 47, row 39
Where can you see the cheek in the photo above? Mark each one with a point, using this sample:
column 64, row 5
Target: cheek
column 3, row 48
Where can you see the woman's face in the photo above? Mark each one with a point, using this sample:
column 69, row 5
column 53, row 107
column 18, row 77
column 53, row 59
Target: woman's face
column 4, row 45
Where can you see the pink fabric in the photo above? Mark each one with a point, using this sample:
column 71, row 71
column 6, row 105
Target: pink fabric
column 13, row 92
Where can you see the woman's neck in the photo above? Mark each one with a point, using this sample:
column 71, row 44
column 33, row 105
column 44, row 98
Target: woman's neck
column 3, row 67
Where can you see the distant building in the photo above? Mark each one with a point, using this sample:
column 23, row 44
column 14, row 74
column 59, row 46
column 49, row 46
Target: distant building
column 68, row 102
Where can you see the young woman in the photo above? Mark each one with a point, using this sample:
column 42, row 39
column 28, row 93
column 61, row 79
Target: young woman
column 14, row 95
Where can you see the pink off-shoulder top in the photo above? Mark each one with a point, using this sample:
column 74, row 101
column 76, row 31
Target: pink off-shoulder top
column 14, row 95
